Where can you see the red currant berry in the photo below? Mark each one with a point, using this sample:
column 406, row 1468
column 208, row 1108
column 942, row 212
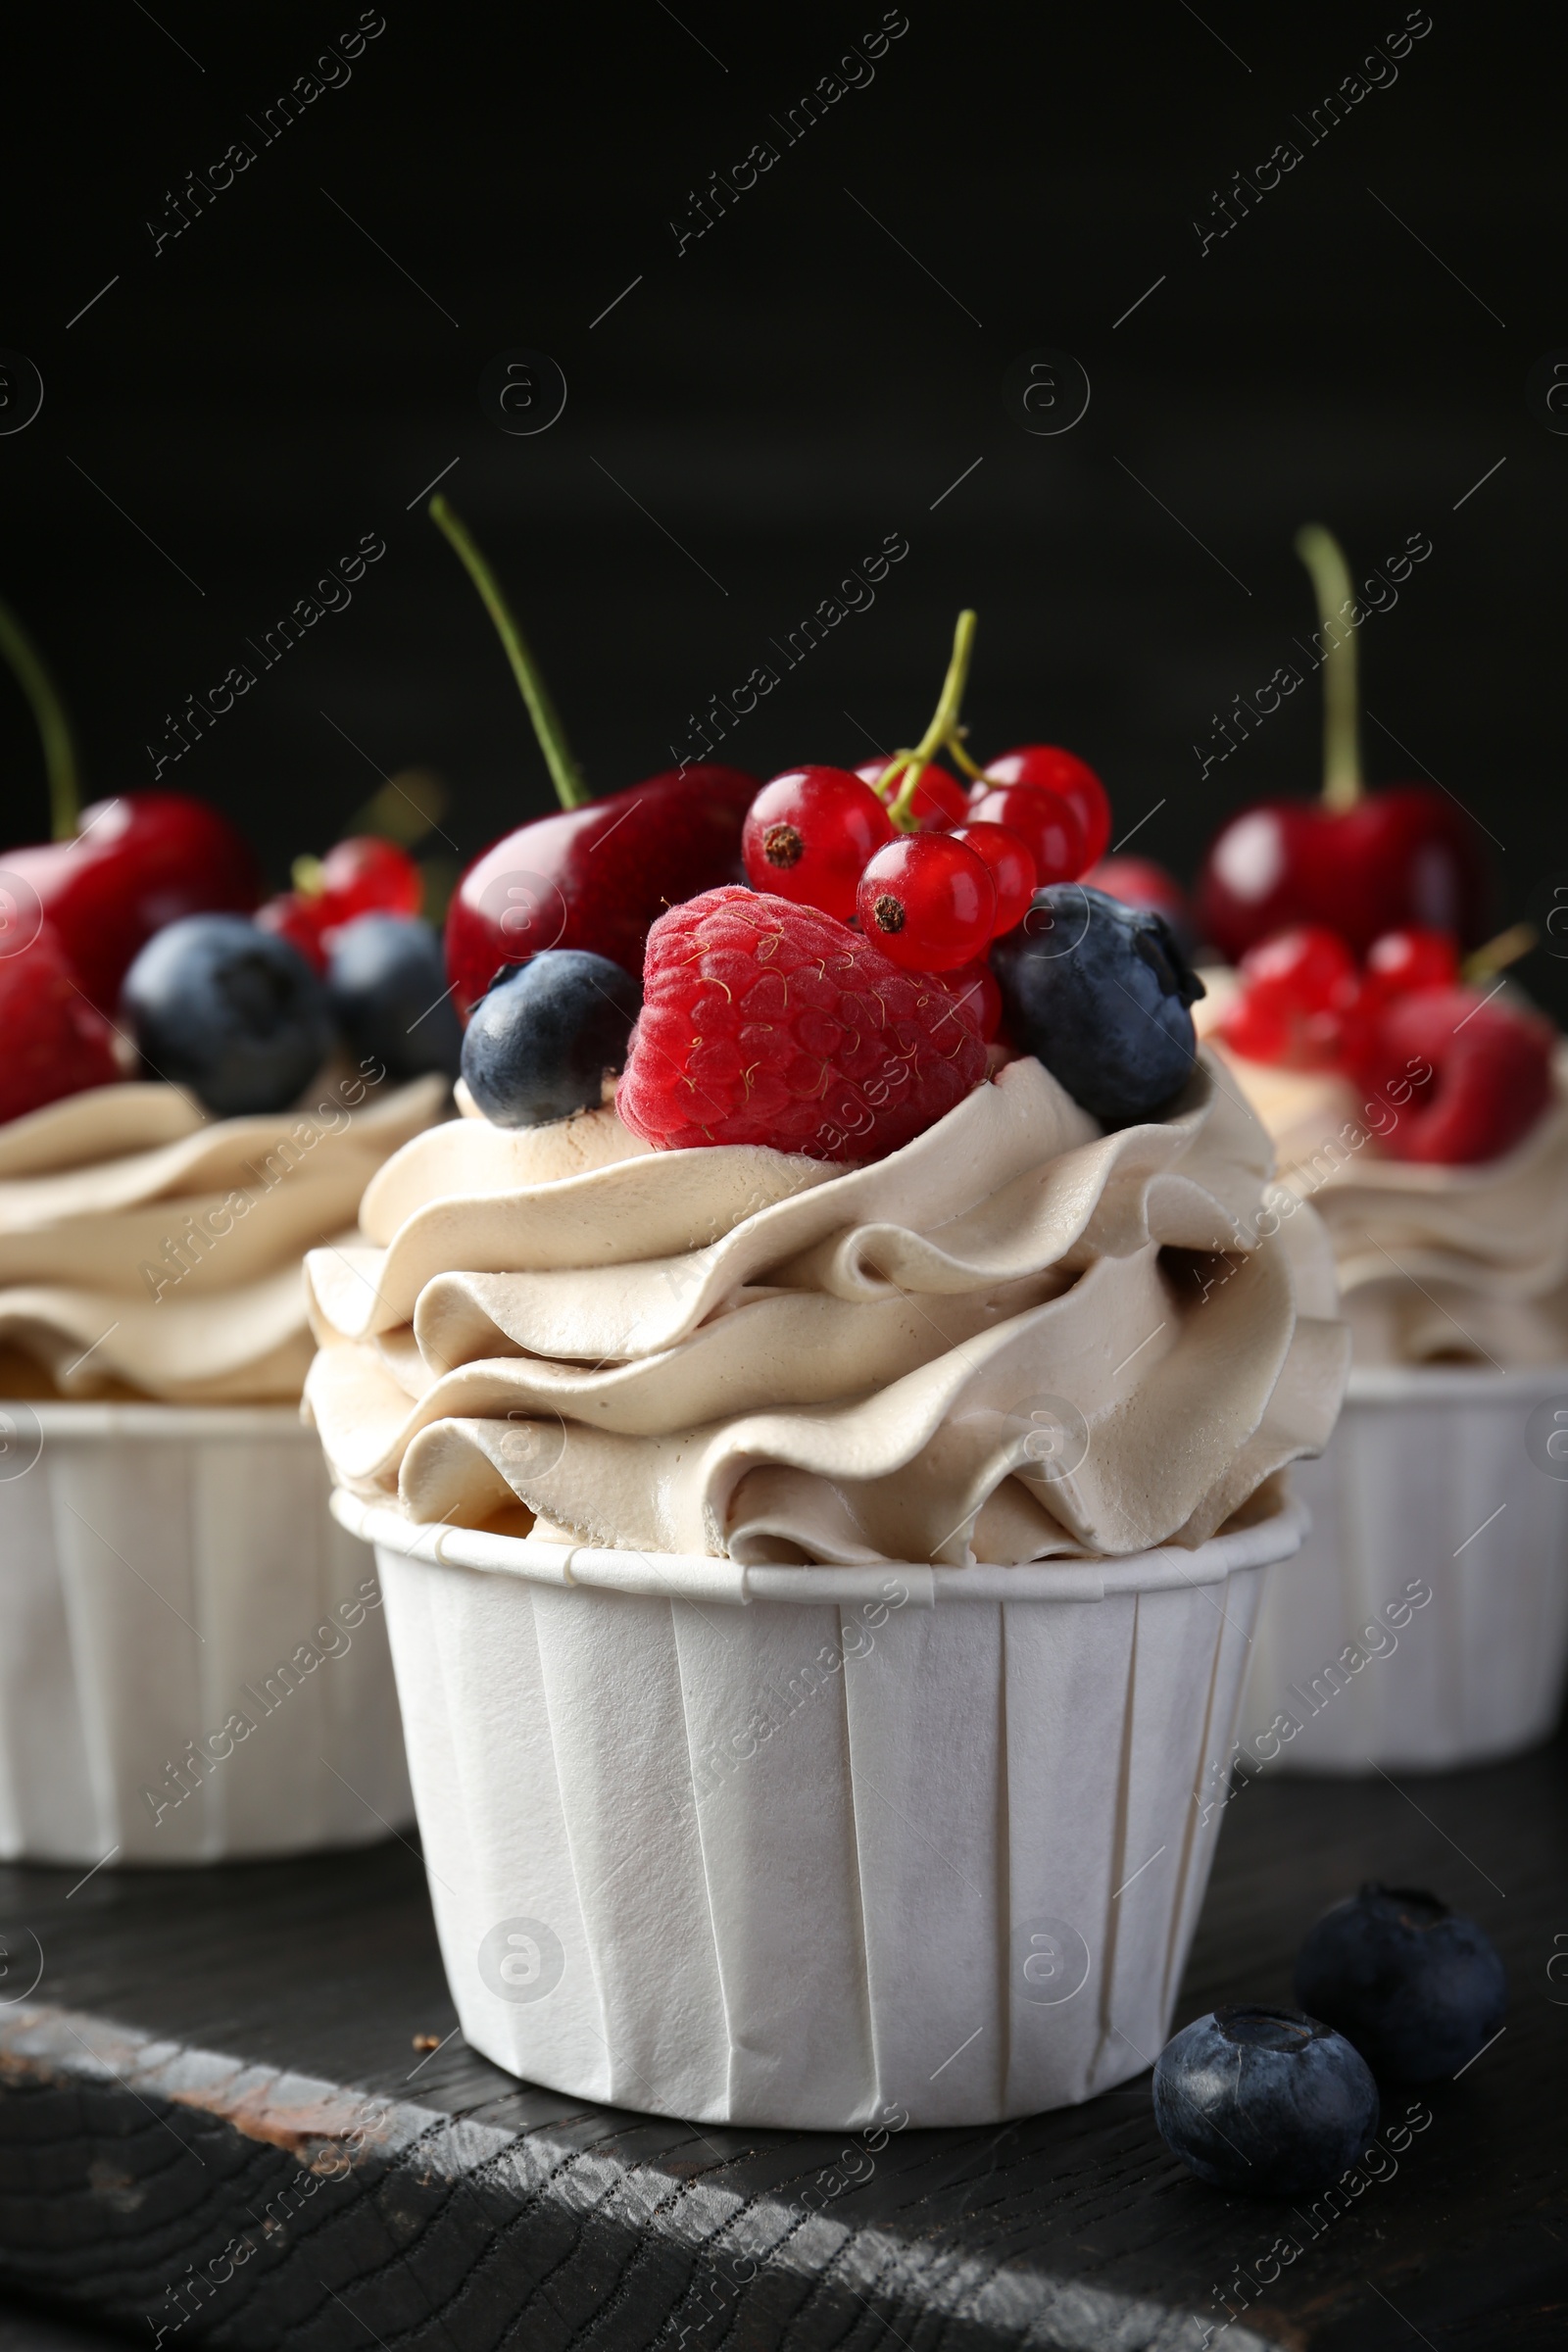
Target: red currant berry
column 939, row 799
column 295, row 916
column 1064, row 773
column 1256, row 1027
column 1403, row 961
column 808, row 834
column 1045, row 821
column 927, row 901
column 366, row 875
column 1012, row 869
column 975, row 987
column 1301, row 970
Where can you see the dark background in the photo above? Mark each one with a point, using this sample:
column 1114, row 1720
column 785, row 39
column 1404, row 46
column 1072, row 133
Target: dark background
column 787, row 391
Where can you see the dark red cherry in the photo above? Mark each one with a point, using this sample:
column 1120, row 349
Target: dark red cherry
column 55, row 1041
column 596, row 876
column 137, row 863
column 1393, row 859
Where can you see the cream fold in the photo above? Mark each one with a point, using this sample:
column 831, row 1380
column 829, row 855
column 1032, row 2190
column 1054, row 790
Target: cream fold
column 145, row 1244
column 735, row 1349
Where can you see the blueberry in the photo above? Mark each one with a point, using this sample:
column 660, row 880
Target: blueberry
column 232, row 1012
column 1416, row 1987
column 1264, row 2100
column 539, row 1045
column 1099, row 991
column 387, row 982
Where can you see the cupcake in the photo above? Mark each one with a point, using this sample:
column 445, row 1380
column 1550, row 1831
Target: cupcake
column 1421, row 1106
column 821, row 1497
column 188, row 1103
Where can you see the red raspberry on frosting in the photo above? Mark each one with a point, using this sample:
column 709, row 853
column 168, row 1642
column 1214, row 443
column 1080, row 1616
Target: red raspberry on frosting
column 769, row 1022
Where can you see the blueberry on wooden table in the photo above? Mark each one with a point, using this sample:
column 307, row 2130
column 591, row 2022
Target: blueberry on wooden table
column 1265, row 2101
column 1417, row 1987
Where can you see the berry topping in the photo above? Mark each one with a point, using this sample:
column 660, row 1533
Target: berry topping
column 1072, row 780
column 389, row 988
column 937, row 803
column 975, row 987
column 1417, row 1988
column 55, row 1041
column 928, row 902
column 542, row 1042
column 366, row 875
column 807, row 836
column 1012, row 869
column 298, row 917
column 1481, row 1070
column 234, row 1012
column 1264, row 2100
column 1403, row 961
column 1140, row 882
column 1099, row 991
column 1044, row 821
column 1301, row 1002
column 767, row 1022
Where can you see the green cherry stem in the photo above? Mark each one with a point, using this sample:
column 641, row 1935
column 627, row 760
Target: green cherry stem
column 943, row 730
column 32, row 673
column 1324, row 558
column 567, row 776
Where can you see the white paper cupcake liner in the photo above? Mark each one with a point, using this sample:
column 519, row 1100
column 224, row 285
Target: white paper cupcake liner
column 1436, row 1482
column 193, row 1661
column 815, row 1847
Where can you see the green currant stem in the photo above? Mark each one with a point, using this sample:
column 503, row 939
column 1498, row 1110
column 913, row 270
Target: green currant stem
column 1324, row 558
column 564, row 773
column 32, row 674
column 943, row 721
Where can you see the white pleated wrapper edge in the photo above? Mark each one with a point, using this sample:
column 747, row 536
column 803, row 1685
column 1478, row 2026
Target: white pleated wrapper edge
column 777, row 1846
column 1426, row 1481
column 155, row 1560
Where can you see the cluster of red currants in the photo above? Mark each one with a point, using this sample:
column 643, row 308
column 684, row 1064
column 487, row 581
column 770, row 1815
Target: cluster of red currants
column 1306, row 1003
column 930, row 870
column 361, row 875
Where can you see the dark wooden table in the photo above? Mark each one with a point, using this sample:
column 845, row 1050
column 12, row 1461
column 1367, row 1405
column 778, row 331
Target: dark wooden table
column 226, row 2060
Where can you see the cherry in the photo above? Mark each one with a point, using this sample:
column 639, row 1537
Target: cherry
column 56, row 1043
column 366, row 875
column 939, row 801
column 1014, row 873
column 1401, row 961
column 1481, row 1073
column 1072, row 780
column 975, row 987
column 1045, row 821
column 139, row 862
column 807, row 836
column 928, row 902
column 1367, row 862
column 593, row 874
column 596, row 877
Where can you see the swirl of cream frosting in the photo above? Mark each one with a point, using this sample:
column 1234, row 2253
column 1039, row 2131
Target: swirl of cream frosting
column 1434, row 1263
column 145, row 1245
column 738, row 1351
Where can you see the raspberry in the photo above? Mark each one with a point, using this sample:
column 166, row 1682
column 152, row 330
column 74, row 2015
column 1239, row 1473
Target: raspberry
column 56, row 1043
column 767, row 1022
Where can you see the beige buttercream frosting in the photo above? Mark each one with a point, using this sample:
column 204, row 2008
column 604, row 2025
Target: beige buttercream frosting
column 148, row 1247
column 1016, row 1338
column 1436, row 1264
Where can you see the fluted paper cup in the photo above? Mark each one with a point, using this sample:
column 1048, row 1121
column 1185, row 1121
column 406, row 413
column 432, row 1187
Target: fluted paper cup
column 193, row 1658
column 815, row 1847
column 1425, row 1624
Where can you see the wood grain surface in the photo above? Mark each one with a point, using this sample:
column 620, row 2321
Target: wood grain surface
column 214, row 2124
